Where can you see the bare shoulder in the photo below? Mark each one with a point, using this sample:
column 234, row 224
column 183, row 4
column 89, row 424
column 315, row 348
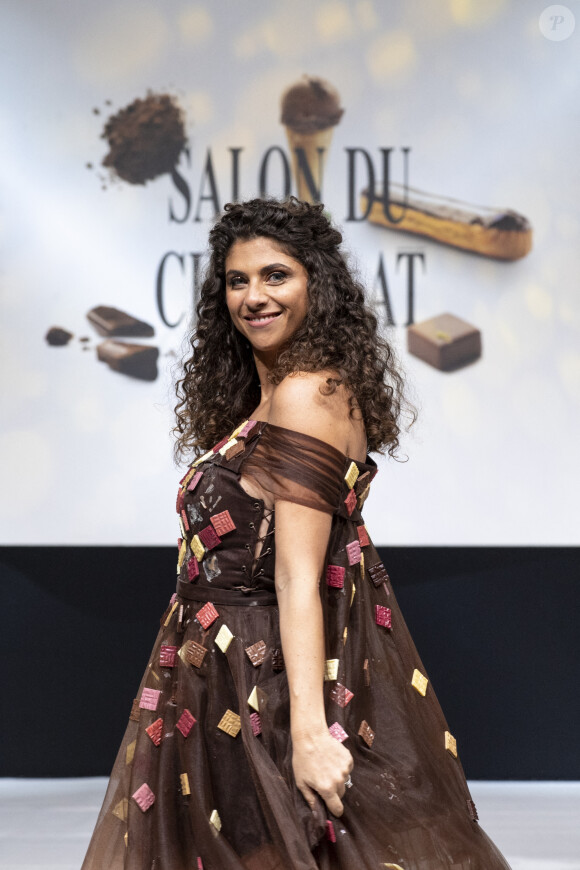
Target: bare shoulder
column 304, row 403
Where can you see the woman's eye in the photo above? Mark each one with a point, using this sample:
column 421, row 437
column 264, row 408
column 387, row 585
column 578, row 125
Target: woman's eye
column 236, row 280
column 276, row 276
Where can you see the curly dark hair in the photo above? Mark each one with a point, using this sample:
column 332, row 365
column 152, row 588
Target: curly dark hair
column 220, row 387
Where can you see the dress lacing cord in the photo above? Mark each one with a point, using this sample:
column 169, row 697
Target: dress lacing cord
column 254, row 569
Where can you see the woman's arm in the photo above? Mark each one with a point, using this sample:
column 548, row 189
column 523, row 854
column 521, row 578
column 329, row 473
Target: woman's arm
column 321, row 764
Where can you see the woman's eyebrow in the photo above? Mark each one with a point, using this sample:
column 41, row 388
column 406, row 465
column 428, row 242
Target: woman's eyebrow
column 263, row 271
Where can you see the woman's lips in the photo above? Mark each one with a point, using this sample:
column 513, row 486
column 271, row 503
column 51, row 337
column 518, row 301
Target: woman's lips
column 260, row 320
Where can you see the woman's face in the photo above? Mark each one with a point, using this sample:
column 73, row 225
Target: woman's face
column 266, row 294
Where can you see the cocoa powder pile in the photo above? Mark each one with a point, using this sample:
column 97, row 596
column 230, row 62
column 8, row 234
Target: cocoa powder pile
column 145, row 138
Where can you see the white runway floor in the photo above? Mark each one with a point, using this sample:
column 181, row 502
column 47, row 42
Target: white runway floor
column 45, row 824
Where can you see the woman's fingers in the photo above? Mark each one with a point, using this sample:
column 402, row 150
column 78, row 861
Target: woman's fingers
column 308, row 795
column 334, row 805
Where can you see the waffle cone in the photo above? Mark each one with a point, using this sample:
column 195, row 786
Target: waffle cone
column 309, row 142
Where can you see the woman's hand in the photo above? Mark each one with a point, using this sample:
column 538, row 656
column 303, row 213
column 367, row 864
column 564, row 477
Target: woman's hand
column 321, row 764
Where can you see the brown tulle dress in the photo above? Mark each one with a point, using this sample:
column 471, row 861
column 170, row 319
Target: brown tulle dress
column 203, row 779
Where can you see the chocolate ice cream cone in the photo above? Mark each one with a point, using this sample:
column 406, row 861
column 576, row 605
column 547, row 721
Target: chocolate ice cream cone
column 310, row 111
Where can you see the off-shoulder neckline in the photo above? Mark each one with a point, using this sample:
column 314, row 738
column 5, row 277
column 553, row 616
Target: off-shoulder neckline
column 368, row 463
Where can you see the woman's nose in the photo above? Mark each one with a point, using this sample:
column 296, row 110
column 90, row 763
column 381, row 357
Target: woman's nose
column 255, row 293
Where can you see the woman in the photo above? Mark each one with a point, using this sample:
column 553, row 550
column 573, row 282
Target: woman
column 285, row 719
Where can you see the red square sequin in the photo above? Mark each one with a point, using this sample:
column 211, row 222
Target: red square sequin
column 383, row 615
column 209, row 538
column 363, row 536
column 185, row 520
column 350, row 501
column 353, row 552
column 167, row 656
column 179, row 501
column 185, row 722
column 222, row 523
column 192, row 569
column 220, row 444
column 330, row 832
column 155, row 731
column 335, row 576
column 207, row 615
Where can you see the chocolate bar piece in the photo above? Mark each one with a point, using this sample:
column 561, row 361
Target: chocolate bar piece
column 135, row 360
column 445, row 342
column 111, row 321
column 57, row 336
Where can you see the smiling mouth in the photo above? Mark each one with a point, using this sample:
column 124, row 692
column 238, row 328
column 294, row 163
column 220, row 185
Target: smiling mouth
column 262, row 319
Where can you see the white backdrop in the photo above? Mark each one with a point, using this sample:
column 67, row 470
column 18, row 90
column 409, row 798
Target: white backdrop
column 488, row 106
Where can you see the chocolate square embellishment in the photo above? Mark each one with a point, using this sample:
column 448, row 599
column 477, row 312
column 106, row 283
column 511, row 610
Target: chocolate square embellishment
column 445, row 342
column 135, row 713
column 378, row 573
column 419, row 682
column 193, row 653
column 215, row 820
column 227, row 446
column 209, row 538
column 222, row 523
column 340, row 695
column 184, row 782
column 230, row 723
column 256, row 653
column 197, row 548
column 194, row 481
column 149, row 699
column 256, row 723
column 144, row 797
column 383, row 615
column 224, row 638
column 277, row 660
column 366, row 732
column 366, row 672
column 338, row 732
column 121, row 809
column 451, row 744
column 363, row 536
column 472, row 810
column 192, row 569
column 155, row 731
column 351, row 475
column 130, row 752
column 167, row 656
column 253, row 699
column 330, row 669
column 207, row 615
column 335, row 576
column 353, row 552
column 350, row 501
column 235, row 450
column 185, row 723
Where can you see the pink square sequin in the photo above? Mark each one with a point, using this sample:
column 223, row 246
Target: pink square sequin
column 338, row 732
column 350, row 501
column 330, row 832
column 144, row 797
column 340, row 695
column 363, row 536
column 185, row 723
column 209, row 538
column 353, row 552
column 256, row 723
column 222, row 523
column 167, row 656
column 185, row 520
column 247, row 428
column 149, row 699
column 383, row 615
column 207, row 615
column 192, row 569
column 194, row 480
column 335, row 576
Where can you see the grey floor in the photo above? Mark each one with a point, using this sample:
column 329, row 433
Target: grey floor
column 45, row 824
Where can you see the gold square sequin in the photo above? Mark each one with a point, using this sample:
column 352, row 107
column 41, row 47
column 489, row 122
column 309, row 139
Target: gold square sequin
column 130, row 752
column 362, row 565
column 353, row 590
column 170, row 614
column 197, row 548
column 215, row 820
column 344, row 634
column 451, row 744
column 122, row 809
column 230, row 723
column 184, row 780
column 331, row 669
column 351, row 475
column 419, row 682
column 224, row 638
